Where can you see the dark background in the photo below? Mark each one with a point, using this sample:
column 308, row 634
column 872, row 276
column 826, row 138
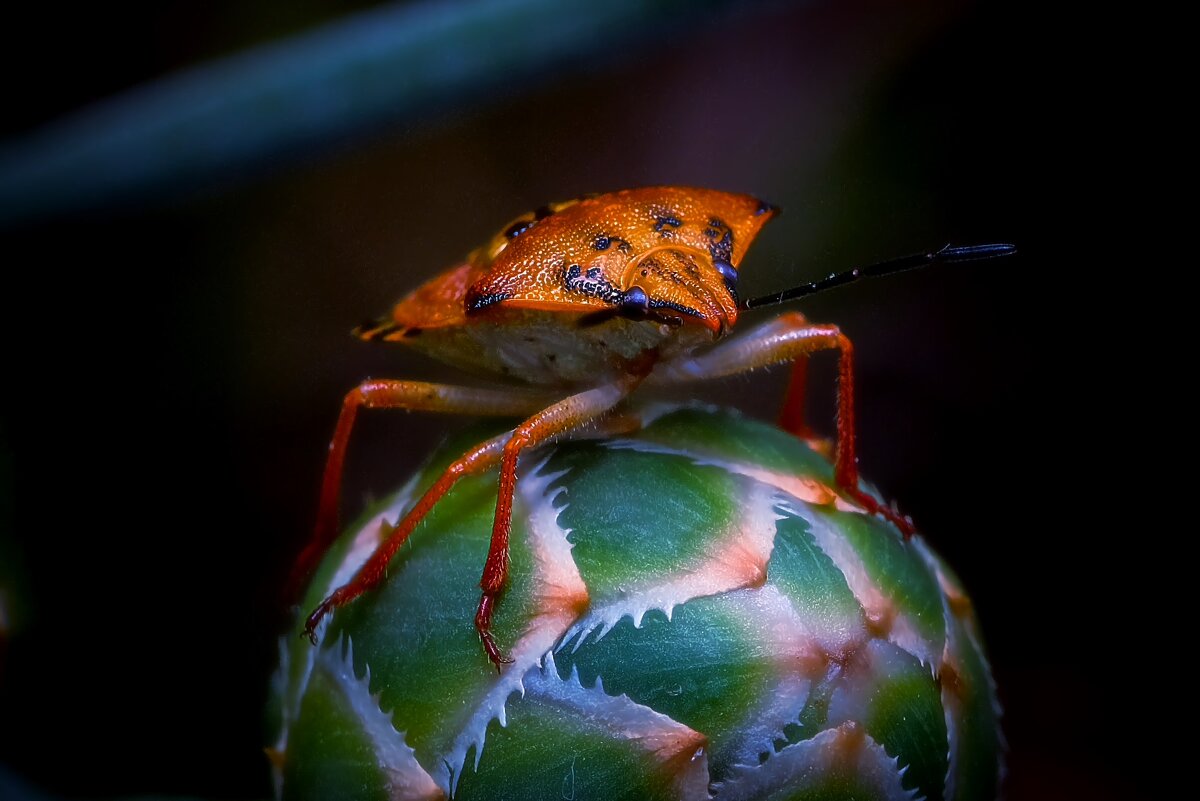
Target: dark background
column 174, row 362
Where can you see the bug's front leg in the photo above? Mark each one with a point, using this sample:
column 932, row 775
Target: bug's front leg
column 563, row 417
column 787, row 338
column 482, row 457
column 389, row 394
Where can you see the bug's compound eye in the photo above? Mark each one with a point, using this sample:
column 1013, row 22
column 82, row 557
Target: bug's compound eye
column 635, row 303
column 728, row 273
column 517, row 228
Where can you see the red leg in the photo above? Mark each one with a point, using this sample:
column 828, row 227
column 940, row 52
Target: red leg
column 558, row 419
column 562, row 417
column 786, row 338
column 791, row 416
column 478, row 459
column 384, row 394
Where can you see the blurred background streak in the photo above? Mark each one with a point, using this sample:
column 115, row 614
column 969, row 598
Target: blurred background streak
column 199, row 200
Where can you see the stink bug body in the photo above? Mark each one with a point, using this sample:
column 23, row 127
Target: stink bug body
column 583, row 302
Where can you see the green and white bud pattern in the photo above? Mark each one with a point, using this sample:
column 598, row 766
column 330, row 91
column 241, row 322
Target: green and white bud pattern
column 692, row 613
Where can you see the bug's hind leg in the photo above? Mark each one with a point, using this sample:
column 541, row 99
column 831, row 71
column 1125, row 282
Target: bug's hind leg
column 389, row 394
column 787, row 338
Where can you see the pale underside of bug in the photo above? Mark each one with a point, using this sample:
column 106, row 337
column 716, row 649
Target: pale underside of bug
column 583, row 302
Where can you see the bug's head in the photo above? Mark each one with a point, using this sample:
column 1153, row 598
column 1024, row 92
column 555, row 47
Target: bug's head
column 680, row 286
column 667, row 255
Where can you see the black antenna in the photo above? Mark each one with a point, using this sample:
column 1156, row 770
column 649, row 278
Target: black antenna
column 946, row 255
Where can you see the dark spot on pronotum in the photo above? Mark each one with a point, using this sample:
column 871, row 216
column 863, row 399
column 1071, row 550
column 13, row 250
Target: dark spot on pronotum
column 551, row 357
column 765, row 208
column 593, row 285
column 605, row 241
column 666, row 220
column 720, row 237
column 722, row 250
column 477, row 302
column 542, row 212
column 518, row 228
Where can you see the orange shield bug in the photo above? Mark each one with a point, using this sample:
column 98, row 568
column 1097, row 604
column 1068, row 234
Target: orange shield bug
column 584, row 302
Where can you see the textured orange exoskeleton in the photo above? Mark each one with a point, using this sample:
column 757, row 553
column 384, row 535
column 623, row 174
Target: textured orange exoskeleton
column 583, row 302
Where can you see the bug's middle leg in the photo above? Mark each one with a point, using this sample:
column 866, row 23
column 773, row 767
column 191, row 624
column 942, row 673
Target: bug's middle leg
column 787, row 338
column 560, row 418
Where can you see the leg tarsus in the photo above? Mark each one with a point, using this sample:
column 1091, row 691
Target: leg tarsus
column 874, row 507
column 483, row 624
column 310, row 625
